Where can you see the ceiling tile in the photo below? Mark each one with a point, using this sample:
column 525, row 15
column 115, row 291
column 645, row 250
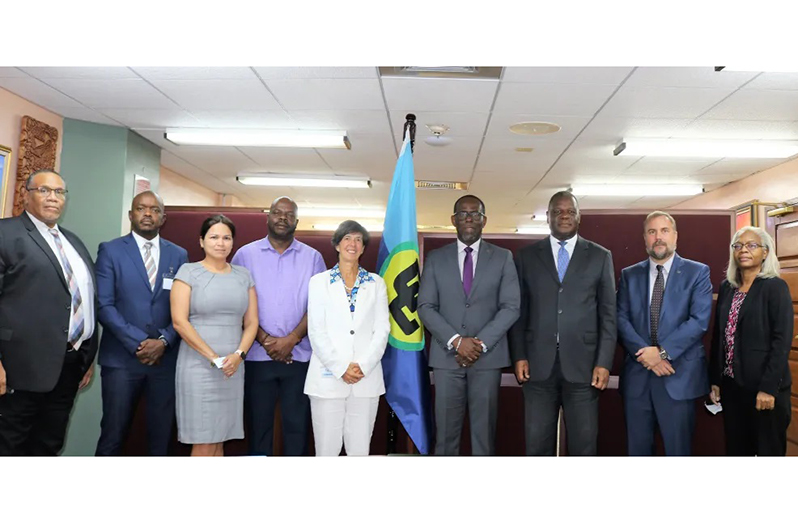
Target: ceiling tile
column 785, row 81
column 35, row 91
column 226, row 161
column 152, row 118
column 306, row 73
column 604, row 127
column 219, row 94
column 80, row 73
column 687, row 77
column 12, row 72
column 85, row 114
column 667, row 166
column 460, row 124
column 416, row 95
column 664, row 102
column 753, row 104
column 553, row 99
column 244, row 119
column 113, row 94
column 276, row 160
column 195, row 73
column 566, row 75
column 327, row 94
column 738, row 130
column 353, row 122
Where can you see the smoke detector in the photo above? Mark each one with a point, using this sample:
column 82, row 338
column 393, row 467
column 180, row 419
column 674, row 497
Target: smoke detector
column 437, row 139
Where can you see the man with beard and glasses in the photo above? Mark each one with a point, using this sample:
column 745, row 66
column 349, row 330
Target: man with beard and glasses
column 468, row 300
column 563, row 344
column 278, row 362
column 138, row 351
column 664, row 305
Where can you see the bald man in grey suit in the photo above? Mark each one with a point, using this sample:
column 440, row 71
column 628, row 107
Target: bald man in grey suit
column 469, row 298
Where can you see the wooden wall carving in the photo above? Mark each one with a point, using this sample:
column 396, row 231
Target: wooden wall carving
column 38, row 146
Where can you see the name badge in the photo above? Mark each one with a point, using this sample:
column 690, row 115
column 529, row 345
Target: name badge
column 325, row 373
column 168, row 279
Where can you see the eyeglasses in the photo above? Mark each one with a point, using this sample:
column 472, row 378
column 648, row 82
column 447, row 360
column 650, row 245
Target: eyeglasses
column 475, row 215
column 45, row 191
column 750, row 246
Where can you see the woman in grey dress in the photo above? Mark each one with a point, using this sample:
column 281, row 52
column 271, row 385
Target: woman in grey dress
column 209, row 300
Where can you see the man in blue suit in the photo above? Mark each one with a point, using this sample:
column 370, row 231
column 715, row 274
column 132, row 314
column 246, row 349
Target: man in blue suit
column 664, row 305
column 138, row 351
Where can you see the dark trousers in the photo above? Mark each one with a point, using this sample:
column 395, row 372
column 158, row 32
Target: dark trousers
column 35, row 423
column 121, row 390
column 751, row 432
column 477, row 389
column 266, row 382
column 542, row 402
column 655, row 407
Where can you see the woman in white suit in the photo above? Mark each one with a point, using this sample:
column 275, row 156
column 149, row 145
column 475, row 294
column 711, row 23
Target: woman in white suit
column 348, row 329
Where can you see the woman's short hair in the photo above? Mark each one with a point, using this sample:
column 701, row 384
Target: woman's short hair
column 213, row 220
column 770, row 265
column 349, row 227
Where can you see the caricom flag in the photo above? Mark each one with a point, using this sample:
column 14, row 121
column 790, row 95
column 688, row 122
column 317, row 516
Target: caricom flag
column 405, row 364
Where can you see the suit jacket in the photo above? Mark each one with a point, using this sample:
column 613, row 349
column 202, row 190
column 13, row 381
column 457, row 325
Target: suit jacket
column 581, row 309
column 129, row 310
column 486, row 313
column 684, row 319
column 35, row 305
column 339, row 339
column 762, row 340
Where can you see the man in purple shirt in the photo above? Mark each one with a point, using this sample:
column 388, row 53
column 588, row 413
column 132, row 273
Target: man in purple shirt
column 278, row 361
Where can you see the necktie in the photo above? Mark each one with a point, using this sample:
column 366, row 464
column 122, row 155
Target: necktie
column 562, row 260
column 76, row 330
column 149, row 264
column 468, row 271
column 656, row 304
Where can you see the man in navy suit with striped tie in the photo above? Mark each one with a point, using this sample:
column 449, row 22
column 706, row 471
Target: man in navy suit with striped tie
column 138, row 351
column 664, row 305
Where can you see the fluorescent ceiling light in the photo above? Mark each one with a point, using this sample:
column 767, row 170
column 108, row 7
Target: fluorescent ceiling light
column 544, row 230
column 626, row 189
column 259, row 138
column 707, row 148
column 340, row 212
column 370, row 227
column 300, row 180
column 758, row 69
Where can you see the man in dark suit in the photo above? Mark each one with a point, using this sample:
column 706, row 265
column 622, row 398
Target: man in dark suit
column 564, row 342
column 138, row 352
column 664, row 305
column 468, row 300
column 47, row 321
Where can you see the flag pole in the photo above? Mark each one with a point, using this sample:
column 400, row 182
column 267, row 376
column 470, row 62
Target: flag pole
column 393, row 420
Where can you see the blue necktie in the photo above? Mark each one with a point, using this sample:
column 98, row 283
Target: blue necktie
column 562, row 260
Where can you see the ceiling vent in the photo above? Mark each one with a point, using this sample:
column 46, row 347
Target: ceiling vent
column 429, row 185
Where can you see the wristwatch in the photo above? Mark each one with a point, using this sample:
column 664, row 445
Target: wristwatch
column 663, row 354
column 165, row 343
column 241, row 354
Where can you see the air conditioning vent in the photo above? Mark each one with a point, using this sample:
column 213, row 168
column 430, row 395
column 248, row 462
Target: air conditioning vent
column 436, row 186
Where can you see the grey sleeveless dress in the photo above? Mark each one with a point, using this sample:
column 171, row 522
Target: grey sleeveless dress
column 210, row 408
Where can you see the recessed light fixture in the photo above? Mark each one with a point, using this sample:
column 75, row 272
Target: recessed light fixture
column 524, row 149
column 534, row 128
column 259, row 138
column 671, row 147
column 301, row 180
column 625, row 189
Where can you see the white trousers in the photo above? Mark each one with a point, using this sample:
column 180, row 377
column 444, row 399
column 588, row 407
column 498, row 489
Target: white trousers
column 348, row 421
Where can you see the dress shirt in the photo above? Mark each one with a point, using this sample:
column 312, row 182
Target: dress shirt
column 155, row 250
column 79, row 270
column 570, row 245
column 461, row 255
column 652, row 275
column 281, row 283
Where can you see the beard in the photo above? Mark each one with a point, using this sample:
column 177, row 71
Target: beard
column 667, row 253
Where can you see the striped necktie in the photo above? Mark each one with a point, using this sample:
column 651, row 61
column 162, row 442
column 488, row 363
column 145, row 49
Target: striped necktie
column 76, row 330
column 149, row 264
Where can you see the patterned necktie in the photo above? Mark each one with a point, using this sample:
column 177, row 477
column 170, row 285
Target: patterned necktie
column 562, row 260
column 468, row 271
column 656, row 304
column 77, row 302
column 149, row 264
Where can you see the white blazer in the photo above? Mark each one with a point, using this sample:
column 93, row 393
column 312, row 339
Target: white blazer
column 338, row 339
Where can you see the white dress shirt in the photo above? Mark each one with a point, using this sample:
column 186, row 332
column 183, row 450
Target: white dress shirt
column 570, row 245
column 155, row 251
column 461, row 255
column 652, row 275
column 80, row 272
